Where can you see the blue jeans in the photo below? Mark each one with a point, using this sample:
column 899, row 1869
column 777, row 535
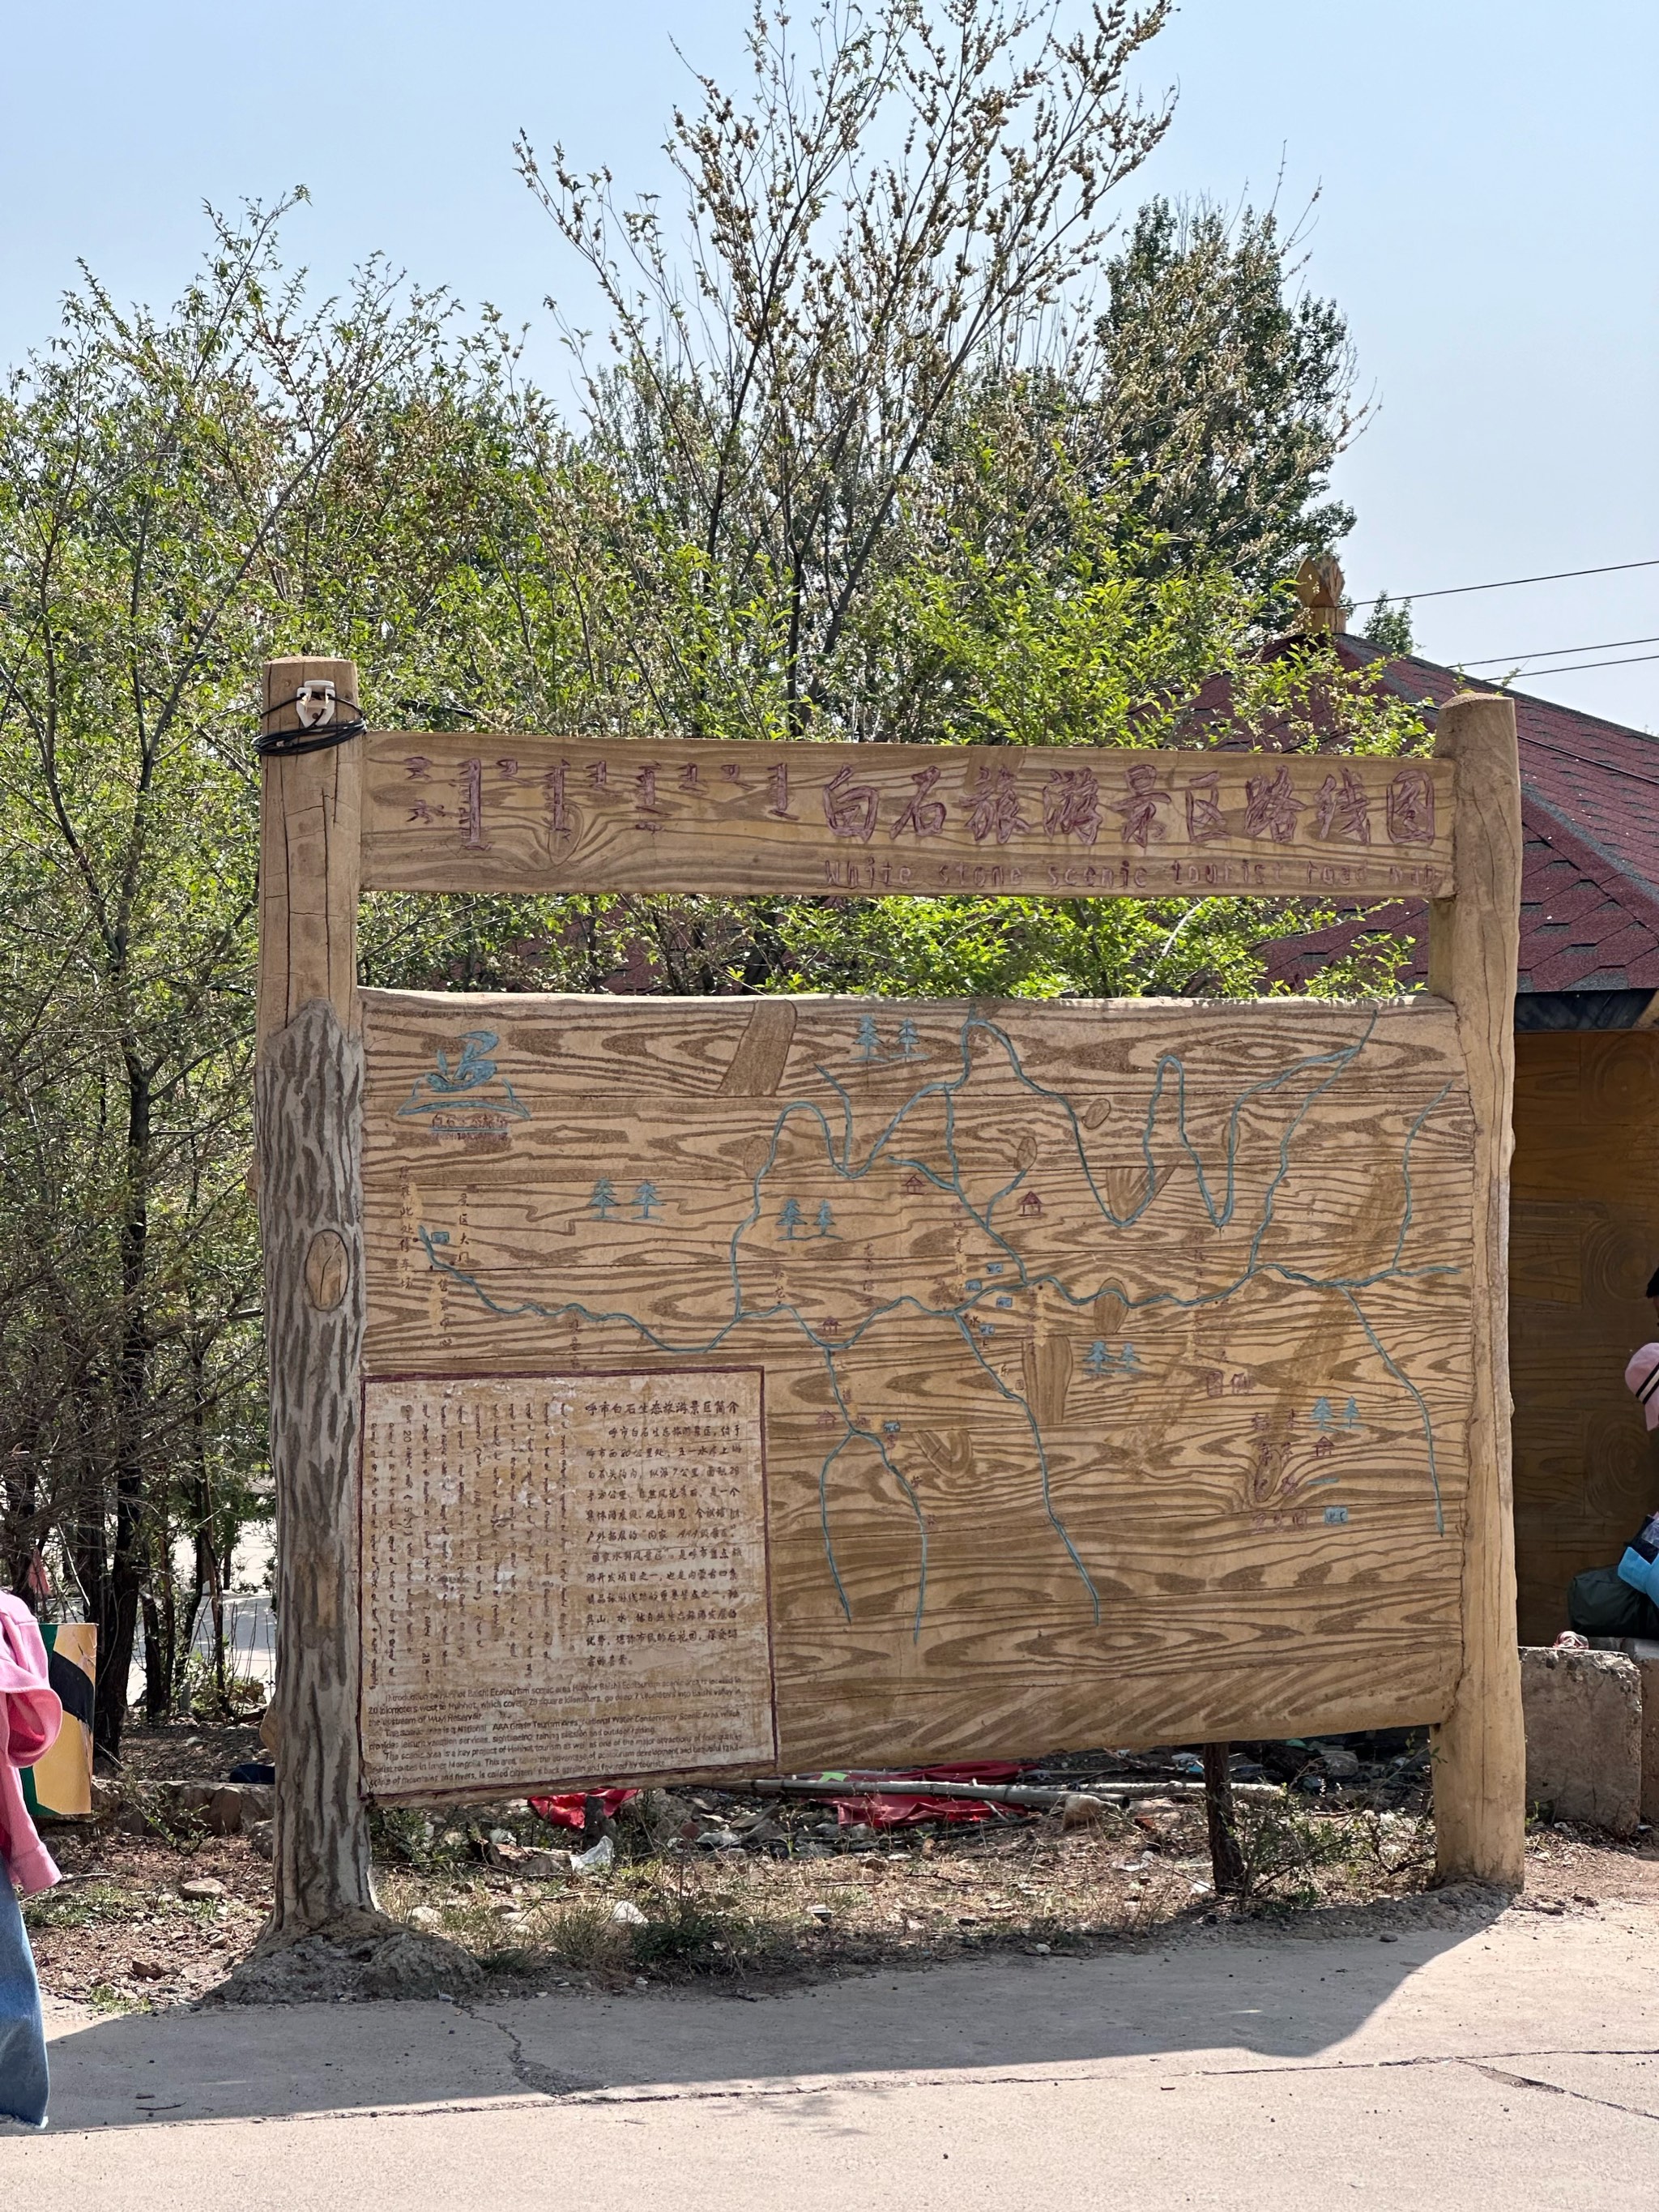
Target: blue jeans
column 22, row 2036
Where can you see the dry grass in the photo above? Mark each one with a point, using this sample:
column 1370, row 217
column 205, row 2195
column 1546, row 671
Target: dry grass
column 966, row 1892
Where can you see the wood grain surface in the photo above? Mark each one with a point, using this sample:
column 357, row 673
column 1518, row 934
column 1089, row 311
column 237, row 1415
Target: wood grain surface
column 1116, row 1357
column 1480, row 1751
column 307, row 1124
column 466, row 812
column 307, row 1116
column 310, row 816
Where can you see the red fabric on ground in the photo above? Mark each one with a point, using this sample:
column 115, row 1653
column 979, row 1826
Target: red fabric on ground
column 911, row 1812
column 565, row 1811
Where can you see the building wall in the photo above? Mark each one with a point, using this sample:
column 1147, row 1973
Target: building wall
column 1584, row 1239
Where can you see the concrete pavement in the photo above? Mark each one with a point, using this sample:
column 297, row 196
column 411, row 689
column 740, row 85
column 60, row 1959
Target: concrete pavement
column 1512, row 2061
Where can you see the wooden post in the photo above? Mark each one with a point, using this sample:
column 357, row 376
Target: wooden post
column 307, row 1101
column 1480, row 1761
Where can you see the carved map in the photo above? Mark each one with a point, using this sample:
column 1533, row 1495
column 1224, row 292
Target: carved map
column 1115, row 1357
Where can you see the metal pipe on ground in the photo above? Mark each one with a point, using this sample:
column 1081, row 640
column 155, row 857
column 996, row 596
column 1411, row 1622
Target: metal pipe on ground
column 991, row 1793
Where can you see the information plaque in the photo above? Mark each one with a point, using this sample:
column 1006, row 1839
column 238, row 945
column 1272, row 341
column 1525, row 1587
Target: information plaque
column 564, row 1578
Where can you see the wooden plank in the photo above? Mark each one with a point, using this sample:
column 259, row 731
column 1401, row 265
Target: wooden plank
column 1479, row 1783
column 1117, row 1357
column 447, row 811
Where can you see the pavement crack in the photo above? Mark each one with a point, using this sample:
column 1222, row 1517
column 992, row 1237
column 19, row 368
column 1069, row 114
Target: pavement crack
column 541, row 2080
column 1557, row 2089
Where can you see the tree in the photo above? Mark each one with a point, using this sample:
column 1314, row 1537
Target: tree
column 1388, row 625
column 1222, row 399
column 179, row 496
column 905, row 197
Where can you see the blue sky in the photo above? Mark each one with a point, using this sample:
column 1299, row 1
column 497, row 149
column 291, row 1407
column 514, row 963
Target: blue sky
column 1486, row 169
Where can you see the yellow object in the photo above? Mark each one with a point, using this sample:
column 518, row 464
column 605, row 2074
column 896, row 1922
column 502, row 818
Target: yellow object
column 60, row 1784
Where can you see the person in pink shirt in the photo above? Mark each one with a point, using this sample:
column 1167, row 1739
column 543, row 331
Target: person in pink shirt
column 30, row 1717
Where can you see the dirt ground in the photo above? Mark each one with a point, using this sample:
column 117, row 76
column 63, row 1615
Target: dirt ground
column 187, row 1751
column 803, row 1904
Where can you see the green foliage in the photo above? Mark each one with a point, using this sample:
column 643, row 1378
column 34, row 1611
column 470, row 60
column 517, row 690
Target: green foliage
column 1223, row 395
column 1390, row 626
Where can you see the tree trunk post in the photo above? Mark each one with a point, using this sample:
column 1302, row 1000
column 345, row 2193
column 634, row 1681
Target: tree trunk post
column 307, row 1105
column 1480, row 1752
column 1226, row 1858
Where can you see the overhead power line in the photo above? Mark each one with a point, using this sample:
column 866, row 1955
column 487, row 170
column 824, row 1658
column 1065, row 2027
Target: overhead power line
column 1571, row 667
column 1553, row 652
column 1505, row 583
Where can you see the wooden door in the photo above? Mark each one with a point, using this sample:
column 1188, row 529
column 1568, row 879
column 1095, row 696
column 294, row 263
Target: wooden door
column 1584, row 1239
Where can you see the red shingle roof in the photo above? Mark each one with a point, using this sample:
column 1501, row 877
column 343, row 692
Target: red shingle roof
column 1589, row 812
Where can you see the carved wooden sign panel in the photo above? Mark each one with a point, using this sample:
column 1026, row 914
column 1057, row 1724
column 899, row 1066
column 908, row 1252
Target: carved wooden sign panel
column 1109, row 1366
column 444, row 812
column 562, row 1574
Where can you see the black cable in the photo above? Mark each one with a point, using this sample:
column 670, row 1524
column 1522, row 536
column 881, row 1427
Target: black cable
column 1571, row 667
column 1551, row 652
column 1503, row 584
column 286, row 745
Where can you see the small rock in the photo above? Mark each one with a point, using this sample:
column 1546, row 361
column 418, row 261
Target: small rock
column 627, row 1914
column 202, row 1886
column 538, row 1864
column 761, row 1834
column 147, row 1970
column 262, row 1838
column 427, row 1918
column 1039, row 1950
column 658, row 1817
column 718, row 1839
column 859, row 1832
column 1338, row 1761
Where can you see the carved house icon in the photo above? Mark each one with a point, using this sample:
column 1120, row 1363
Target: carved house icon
column 1031, row 1203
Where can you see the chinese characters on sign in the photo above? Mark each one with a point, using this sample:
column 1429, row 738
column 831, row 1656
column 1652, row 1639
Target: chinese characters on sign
column 1047, row 822
column 564, row 1578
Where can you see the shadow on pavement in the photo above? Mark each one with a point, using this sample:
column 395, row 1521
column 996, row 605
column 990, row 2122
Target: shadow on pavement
column 1239, row 1995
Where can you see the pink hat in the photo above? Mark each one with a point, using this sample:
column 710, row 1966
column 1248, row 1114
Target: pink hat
column 1642, row 1376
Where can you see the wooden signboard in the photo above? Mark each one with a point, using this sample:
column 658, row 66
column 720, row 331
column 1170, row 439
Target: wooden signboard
column 1090, row 1373
column 676, row 1386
